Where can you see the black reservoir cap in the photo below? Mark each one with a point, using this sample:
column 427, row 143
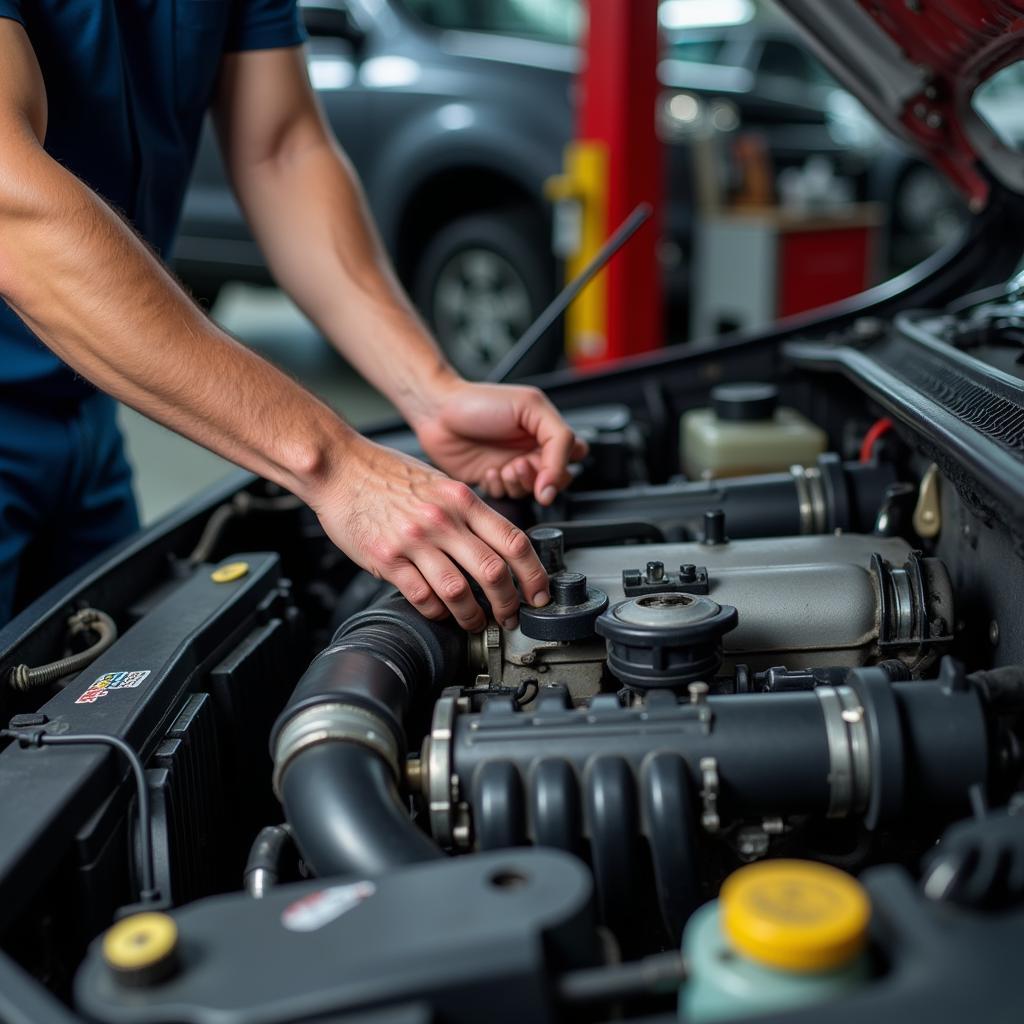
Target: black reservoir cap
column 744, row 403
column 549, row 543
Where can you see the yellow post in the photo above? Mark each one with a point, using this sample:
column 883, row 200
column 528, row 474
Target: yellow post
column 581, row 198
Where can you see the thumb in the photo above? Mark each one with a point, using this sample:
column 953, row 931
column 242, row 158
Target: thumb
column 557, row 445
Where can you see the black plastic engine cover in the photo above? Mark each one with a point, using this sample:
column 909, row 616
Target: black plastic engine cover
column 61, row 803
column 475, row 939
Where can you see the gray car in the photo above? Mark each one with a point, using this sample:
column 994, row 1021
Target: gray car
column 454, row 112
column 453, row 133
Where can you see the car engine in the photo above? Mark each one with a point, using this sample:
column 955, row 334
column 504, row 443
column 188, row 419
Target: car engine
column 306, row 802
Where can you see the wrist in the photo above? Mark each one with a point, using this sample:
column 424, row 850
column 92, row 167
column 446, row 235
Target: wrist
column 422, row 393
column 311, row 462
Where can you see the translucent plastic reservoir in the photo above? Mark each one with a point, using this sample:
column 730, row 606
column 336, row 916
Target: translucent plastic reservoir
column 783, row 935
column 747, row 432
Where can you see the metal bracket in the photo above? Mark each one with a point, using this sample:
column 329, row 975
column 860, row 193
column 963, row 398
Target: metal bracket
column 440, row 782
column 690, row 579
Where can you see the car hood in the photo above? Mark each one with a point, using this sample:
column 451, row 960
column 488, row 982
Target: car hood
column 915, row 64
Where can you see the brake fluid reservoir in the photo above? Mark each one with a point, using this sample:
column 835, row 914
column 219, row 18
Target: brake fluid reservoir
column 745, row 432
column 782, row 934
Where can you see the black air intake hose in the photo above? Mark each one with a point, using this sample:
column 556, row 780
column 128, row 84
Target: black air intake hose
column 833, row 495
column 339, row 744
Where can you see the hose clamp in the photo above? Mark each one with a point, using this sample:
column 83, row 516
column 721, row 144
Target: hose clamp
column 849, row 774
column 810, row 496
column 330, row 723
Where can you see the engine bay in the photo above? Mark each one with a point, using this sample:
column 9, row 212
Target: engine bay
column 325, row 806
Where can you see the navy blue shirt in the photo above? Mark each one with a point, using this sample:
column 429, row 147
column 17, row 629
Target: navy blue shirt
column 127, row 84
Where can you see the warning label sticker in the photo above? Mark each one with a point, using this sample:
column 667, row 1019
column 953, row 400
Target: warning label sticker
column 112, row 681
column 325, row 905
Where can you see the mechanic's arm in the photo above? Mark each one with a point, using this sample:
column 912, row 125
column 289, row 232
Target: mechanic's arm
column 306, row 208
column 93, row 292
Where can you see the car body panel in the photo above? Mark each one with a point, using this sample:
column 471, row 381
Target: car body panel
column 916, row 66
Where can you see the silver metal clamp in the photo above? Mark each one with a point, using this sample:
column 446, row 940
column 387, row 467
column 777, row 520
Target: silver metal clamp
column 333, row 722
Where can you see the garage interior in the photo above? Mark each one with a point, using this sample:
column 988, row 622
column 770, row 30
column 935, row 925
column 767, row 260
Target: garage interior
column 719, row 715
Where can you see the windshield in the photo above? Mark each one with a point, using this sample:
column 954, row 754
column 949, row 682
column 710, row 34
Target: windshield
column 1000, row 102
column 555, row 21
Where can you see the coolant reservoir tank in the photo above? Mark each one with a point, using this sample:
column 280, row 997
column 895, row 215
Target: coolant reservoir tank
column 746, row 431
column 782, row 934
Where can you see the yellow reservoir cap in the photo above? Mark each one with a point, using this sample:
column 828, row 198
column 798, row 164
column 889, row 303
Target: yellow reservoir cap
column 140, row 943
column 230, row 572
column 795, row 915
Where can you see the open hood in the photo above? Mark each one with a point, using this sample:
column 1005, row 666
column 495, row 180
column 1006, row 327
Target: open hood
column 916, row 64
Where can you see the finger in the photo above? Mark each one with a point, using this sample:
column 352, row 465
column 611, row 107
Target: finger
column 488, row 568
column 447, row 581
column 416, row 590
column 510, row 480
column 514, row 546
column 561, row 482
column 556, row 441
column 580, row 450
column 492, row 484
column 527, row 474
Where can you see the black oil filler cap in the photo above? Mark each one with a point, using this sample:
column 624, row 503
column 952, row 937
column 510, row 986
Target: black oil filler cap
column 571, row 613
column 744, row 403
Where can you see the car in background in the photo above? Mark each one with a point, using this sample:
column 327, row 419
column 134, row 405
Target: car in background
column 454, row 112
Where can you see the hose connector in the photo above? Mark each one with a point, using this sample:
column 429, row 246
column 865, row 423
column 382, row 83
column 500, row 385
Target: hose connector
column 330, row 723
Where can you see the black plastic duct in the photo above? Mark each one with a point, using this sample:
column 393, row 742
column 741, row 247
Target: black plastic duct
column 339, row 744
column 831, row 496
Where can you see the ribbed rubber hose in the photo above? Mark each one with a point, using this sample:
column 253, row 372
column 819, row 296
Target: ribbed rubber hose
column 24, row 678
column 340, row 795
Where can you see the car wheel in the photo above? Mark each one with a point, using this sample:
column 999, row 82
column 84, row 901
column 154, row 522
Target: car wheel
column 481, row 281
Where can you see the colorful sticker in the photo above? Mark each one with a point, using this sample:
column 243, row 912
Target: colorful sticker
column 112, row 681
column 325, row 905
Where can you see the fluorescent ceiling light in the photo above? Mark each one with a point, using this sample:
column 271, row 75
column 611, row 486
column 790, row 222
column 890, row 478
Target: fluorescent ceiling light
column 680, row 14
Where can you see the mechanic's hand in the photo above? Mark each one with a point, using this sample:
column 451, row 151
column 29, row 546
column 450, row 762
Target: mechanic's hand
column 407, row 523
column 511, row 440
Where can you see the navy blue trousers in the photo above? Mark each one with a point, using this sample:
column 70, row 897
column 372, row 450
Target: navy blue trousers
column 65, row 492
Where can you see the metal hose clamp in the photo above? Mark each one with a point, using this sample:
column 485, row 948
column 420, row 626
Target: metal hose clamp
column 328, row 723
column 846, row 733
column 810, row 496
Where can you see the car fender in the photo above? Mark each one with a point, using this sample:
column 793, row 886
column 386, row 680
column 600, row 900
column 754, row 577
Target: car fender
column 460, row 135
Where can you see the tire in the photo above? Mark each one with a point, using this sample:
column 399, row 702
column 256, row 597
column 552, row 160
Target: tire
column 480, row 282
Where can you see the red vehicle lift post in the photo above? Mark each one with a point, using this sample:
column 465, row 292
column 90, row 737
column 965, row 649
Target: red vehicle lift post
column 614, row 164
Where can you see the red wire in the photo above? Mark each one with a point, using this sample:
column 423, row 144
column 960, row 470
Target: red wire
column 877, row 430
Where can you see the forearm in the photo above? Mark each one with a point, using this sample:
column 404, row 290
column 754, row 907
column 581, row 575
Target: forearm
column 309, row 214
column 90, row 289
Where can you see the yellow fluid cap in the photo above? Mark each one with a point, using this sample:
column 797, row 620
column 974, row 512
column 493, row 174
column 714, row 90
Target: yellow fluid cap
column 795, row 915
column 140, row 942
column 230, row 572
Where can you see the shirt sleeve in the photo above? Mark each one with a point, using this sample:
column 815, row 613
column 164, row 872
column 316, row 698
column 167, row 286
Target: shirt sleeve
column 12, row 9
column 256, row 25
